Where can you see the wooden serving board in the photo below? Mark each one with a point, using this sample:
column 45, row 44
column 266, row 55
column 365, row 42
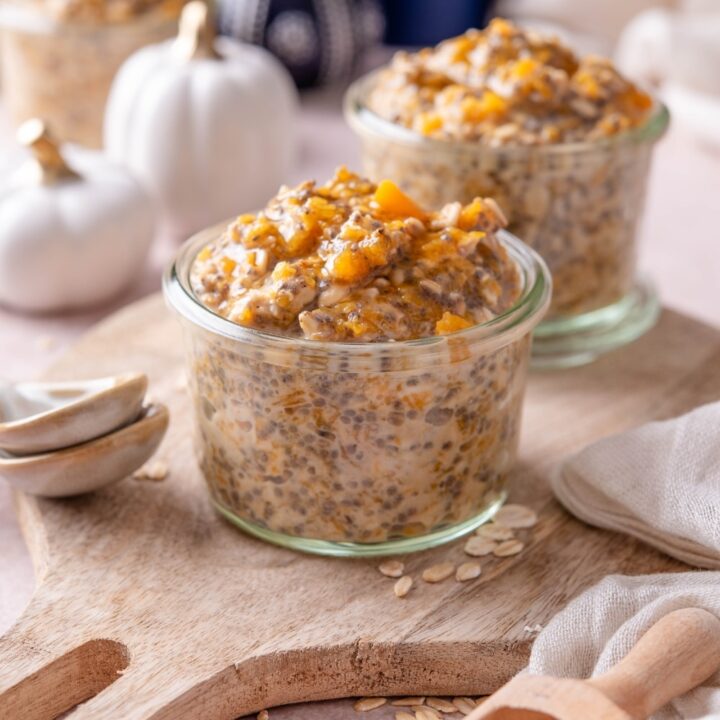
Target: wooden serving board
column 149, row 605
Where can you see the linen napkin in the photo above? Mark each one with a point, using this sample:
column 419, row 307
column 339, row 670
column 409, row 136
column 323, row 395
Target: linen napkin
column 597, row 629
column 659, row 482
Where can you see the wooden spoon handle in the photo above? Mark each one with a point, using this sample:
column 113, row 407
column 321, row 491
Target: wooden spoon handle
column 675, row 655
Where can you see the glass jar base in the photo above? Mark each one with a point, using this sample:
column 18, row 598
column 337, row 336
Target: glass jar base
column 573, row 341
column 359, row 550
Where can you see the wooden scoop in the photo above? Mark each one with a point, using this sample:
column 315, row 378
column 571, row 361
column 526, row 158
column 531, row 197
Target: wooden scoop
column 675, row 655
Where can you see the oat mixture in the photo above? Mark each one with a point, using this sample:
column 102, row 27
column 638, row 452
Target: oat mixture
column 504, row 85
column 64, row 75
column 359, row 442
column 352, row 261
column 103, row 11
column 509, row 114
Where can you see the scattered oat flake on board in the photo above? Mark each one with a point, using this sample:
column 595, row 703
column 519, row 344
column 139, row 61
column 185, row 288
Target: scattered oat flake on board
column 369, row 703
column 402, row 586
column 478, row 546
column 465, row 705
column 468, row 571
column 402, row 715
column 441, row 704
column 510, row 547
column 392, row 568
column 408, row 701
column 438, row 573
column 493, row 531
column 263, row 715
column 157, row 471
column 533, row 630
column 516, row 516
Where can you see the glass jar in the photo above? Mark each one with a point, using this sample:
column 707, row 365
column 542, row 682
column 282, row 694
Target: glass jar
column 577, row 204
column 62, row 71
column 357, row 449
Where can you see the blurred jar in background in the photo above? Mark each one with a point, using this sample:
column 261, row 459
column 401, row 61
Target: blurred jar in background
column 59, row 58
column 318, row 41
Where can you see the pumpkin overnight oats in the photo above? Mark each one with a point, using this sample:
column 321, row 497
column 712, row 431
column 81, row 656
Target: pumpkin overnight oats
column 59, row 57
column 358, row 364
column 562, row 143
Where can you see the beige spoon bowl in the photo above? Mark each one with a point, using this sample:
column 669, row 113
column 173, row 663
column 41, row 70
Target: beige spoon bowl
column 92, row 465
column 40, row 417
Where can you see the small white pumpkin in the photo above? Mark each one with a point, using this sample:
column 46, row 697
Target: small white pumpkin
column 72, row 234
column 206, row 123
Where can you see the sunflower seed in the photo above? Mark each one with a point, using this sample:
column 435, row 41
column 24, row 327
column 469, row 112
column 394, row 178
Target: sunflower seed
column 392, row 568
column 408, row 701
column 516, row 516
column 493, row 531
column 402, row 586
column 157, row 471
column 441, row 704
column 438, row 573
column 468, row 571
column 369, row 703
column 510, row 547
column 478, row 546
column 426, row 713
column 464, row 704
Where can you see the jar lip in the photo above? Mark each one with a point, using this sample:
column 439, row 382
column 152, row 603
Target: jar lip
column 364, row 120
column 514, row 323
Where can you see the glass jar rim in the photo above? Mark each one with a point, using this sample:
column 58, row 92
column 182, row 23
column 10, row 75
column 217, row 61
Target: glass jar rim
column 511, row 325
column 364, row 120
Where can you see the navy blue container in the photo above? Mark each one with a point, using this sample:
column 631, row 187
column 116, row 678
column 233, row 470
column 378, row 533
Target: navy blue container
column 427, row 22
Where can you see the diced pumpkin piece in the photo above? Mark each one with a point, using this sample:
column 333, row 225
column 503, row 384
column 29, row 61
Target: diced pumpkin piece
column 479, row 109
column 349, row 266
column 205, row 254
column 227, row 265
column 394, row 201
column 524, row 67
column 450, row 323
column 428, row 123
column 283, row 271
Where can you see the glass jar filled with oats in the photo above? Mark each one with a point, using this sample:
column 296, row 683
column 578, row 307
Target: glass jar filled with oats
column 358, row 365
column 59, row 57
column 562, row 143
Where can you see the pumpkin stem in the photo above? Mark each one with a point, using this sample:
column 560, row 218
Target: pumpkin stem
column 47, row 164
column 196, row 36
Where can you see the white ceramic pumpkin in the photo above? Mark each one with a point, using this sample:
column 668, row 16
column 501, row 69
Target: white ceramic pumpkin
column 72, row 234
column 206, row 123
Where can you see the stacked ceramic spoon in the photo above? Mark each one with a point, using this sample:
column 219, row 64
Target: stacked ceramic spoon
column 62, row 439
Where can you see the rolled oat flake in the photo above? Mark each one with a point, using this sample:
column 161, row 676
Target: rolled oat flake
column 438, row 573
column 516, row 516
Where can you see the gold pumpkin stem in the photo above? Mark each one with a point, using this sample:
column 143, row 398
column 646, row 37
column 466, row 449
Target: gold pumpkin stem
column 47, row 165
column 196, row 36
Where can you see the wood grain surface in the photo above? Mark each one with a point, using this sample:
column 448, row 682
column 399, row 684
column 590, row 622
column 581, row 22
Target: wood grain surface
column 148, row 605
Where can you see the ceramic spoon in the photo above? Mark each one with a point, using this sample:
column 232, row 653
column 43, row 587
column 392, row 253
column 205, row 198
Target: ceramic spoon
column 39, row 417
column 91, row 465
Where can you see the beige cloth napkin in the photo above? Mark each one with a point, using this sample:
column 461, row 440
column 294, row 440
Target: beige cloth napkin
column 659, row 482
column 597, row 629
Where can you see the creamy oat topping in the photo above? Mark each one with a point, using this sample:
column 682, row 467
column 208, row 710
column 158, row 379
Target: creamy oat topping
column 353, row 261
column 505, row 85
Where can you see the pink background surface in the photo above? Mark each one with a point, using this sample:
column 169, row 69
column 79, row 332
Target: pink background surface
column 680, row 251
